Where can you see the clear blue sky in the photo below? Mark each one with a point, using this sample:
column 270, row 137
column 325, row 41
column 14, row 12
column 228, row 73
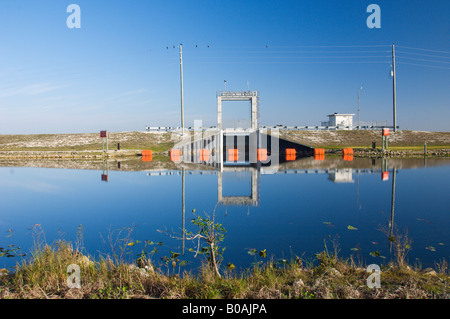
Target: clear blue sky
column 115, row 72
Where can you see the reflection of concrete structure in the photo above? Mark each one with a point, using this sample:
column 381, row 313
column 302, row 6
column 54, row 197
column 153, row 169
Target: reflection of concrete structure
column 342, row 175
column 252, row 199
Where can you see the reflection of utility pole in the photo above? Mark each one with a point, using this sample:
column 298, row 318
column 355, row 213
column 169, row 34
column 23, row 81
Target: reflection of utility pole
column 183, row 208
column 391, row 223
column 357, row 190
column 181, row 82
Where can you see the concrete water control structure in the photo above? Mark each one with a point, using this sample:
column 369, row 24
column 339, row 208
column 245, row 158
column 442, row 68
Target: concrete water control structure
column 252, row 96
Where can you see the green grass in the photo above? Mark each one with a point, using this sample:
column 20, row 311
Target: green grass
column 44, row 276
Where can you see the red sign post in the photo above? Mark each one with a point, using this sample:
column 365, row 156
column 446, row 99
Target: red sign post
column 104, row 134
column 384, row 138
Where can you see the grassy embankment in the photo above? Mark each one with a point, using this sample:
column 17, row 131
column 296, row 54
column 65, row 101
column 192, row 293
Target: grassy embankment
column 44, row 275
column 83, row 145
column 160, row 142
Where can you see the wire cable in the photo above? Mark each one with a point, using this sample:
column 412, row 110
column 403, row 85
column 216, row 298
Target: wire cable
column 425, row 66
column 421, row 54
column 429, row 50
column 425, row 60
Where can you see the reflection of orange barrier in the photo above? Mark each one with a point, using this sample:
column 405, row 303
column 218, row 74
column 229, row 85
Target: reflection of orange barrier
column 204, row 155
column 147, row 153
column 147, row 158
column 319, row 157
column 175, row 155
column 347, row 158
column 233, row 155
column 347, row 151
column 385, row 176
column 262, row 154
column 290, row 157
column 319, row 151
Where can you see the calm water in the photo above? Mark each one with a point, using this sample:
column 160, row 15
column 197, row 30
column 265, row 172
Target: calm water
column 287, row 213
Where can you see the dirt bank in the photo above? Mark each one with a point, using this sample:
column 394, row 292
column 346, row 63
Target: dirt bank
column 364, row 139
column 90, row 145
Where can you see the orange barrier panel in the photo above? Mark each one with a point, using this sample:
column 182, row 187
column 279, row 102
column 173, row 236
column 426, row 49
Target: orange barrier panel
column 347, row 151
column 385, row 176
column 290, row 151
column 175, row 155
column 147, row 153
column 262, row 154
column 147, row 158
column 319, row 151
column 348, row 158
column 385, row 132
column 204, row 155
column 319, row 157
column 233, row 155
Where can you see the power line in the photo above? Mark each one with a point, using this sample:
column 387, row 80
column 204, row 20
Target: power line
column 425, row 60
column 298, row 57
column 423, row 49
column 334, row 46
column 300, row 62
column 427, row 55
column 425, row 66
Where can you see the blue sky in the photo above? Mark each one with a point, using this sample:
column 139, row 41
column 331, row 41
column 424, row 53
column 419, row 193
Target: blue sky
column 307, row 59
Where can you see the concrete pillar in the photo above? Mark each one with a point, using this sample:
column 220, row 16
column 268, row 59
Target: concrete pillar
column 219, row 112
column 254, row 112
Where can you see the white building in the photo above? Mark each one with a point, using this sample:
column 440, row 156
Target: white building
column 344, row 121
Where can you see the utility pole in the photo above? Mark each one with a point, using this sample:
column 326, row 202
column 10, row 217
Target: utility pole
column 181, row 80
column 394, row 101
column 360, row 89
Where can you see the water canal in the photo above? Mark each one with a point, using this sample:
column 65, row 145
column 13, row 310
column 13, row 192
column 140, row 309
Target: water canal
column 292, row 211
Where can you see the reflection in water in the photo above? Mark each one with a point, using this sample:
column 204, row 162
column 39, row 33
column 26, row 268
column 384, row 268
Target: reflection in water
column 253, row 174
column 289, row 204
column 391, row 222
column 105, row 171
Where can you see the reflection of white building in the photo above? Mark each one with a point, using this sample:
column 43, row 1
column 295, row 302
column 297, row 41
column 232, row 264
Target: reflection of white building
column 341, row 175
column 344, row 121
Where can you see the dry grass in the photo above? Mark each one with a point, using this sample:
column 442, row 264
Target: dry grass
column 364, row 139
column 45, row 276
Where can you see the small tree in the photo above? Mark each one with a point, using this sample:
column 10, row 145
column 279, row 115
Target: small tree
column 208, row 236
column 211, row 234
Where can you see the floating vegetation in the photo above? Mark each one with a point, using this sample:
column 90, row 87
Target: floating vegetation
column 350, row 227
column 376, row 254
column 424, row 220
column 329, row 224
column 253, row 252
column 11, row 251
